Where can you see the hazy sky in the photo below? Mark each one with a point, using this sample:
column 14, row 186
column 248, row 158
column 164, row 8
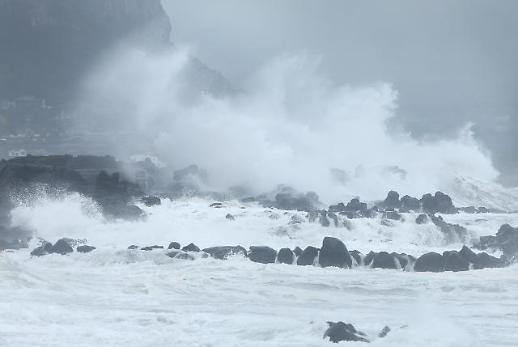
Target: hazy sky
column 452, row 61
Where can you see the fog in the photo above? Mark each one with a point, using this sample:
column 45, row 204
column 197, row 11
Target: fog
column 451, row 62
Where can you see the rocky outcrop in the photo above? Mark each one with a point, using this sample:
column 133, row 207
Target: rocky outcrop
column 334, row 253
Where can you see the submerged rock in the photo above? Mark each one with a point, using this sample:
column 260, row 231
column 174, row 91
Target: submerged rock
column 341, row 331
column 44, row 249
column 85, row 249
column 61, row 247
column 191, row 247
column 150, row 248
column 453, row 261
column 223, row 252
column 384, row 260
column 151, row 201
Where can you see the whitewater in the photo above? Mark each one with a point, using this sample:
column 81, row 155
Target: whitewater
column 115, row 296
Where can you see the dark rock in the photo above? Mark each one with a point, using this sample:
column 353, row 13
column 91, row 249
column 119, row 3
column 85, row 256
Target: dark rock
column 383, row 260
column 485, row 261
column 230, row 217
column 482, row 210
column 262, row 254
column 429, row 262
column 468, row 254
column 216, row 205
column 392, row 200
column 288, row 199
column 410, row 203
column 334, row 253
column 422, row 219
column 469, row 209
column 439, row 203
column 285, row 256
column 308, row 256
column 174, row 245
column 133, row 247
column 223, row 252
column 507, row 238
column 323, row 220
column 191, row 247
column 369, row 258
column 453, row 261
column 357, row 256
column 44, row 249
column 61, row 247
column 341, row 331
column 150, row 248
column 454, row 232
column 355, row 205
column 85, row 249
column 340, row 207
column 151, row 200
column 392, row 215
column 402, row 258
column 369, row 213
column 298, row 251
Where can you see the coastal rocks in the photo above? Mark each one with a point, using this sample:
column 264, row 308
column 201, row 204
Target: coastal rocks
column 308, row 256
column 453, row 261
column 410, row 203
column 384, row 260
column 262, row 254
column 288, row 199
column 191, row 247
column 438, row 203
column 224, row 252
column 429, row 262
column 506, row 239
column 334, row 253
column 62, row 247
column 44, row 249
column 85, row 249
column 150, row 248
column 340, row 331
column 174, row 245
column 392, row 200
column 285, row 256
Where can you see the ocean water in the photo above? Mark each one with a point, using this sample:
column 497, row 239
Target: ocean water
column 115, row 296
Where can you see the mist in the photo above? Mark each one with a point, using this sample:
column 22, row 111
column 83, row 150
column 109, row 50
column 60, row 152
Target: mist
column 290, row 124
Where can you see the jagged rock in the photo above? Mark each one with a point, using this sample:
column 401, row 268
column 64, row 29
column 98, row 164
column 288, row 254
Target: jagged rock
column 262, row 254
column 383, row 260
column 85, row 249
column 422, row 219
column 308, row 256
column 285, row 256
column 230, row 217
column 468, row 254
column 485, row 261
column 334, row 253
column 454, row 261
column 341, row 331
column 507, row 237
column 392, row 215
column 62, row 247
column 410, row 203
column 174, row 245
column 150, row 248
column 357, row 256
column 439, row 203
column 429, row 262
column 191, row 247
column 44, row 249
column 392, row 200
column 223, row 252
column 369, row 258
column 151, row 201
column 298, row 251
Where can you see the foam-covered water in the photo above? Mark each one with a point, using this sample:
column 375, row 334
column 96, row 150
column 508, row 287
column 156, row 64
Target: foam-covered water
column 114, row 296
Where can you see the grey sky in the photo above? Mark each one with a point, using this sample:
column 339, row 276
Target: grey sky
column 452, row 61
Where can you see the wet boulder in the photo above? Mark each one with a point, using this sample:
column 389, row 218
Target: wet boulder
column 392, row 200
column 468, row 254
column 334, row 253
column 454, row 232
column 384, row 260
column 85, row 249
column 429, row 262
column 298, row 251
column 454, row 261
column 369, row 258
column 486, row 261
column 341, row 331
column 421, row 219
column 191, row 247
column 133, row 247
column 402, row 258
column 262, row 254
column 44, row 249
column 285, row 256
column 224, row 252
column 507, row 238
column 355, row 205
column 61, row 247
column 438, row 203
column 174, row 245
column 308, row 256
column 410, row 203
column 357, row 256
